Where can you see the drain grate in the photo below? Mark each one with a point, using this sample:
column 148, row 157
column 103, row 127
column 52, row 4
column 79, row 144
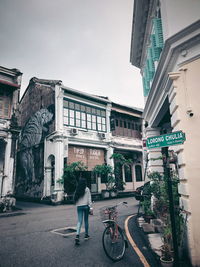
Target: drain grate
column 66, row 231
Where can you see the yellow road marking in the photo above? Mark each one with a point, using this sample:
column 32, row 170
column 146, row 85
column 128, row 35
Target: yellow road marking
column 133, row 244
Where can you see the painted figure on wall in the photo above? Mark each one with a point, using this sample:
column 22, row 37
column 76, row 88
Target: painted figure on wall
column 31, row 137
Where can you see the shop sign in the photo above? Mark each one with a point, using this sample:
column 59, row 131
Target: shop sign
column 80, row 153
column 94, row 154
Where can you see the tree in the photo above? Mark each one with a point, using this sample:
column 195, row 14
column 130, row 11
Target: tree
column 71, row 175
column 119, row 161
column 107, row 175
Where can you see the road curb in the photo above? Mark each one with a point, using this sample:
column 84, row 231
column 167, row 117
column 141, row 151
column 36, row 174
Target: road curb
column 133, row 244
column 136, row 234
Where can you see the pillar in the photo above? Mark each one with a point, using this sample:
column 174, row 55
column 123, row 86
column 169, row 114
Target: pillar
column 155, row 162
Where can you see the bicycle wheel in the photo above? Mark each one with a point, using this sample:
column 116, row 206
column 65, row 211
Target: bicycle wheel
column 113, row 242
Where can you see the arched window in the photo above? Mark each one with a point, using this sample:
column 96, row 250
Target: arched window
column 138, row 173
column 51, row 166
column 52, row 172
column 128, row 173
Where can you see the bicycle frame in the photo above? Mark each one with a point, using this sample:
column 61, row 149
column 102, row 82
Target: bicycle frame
column 112, row 221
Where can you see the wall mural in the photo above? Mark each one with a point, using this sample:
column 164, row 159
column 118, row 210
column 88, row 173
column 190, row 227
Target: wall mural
column 30, row 166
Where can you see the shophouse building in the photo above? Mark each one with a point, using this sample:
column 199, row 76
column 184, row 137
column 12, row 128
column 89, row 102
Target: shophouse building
column 10, row 82
column 166, row 47
column 61, row 126
column 126, row 136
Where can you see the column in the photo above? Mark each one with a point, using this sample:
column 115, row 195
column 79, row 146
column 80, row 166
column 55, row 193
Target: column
column 58, row 108
column 8, row 168
column 155, row 162
column 109, row 152
column 59, row 166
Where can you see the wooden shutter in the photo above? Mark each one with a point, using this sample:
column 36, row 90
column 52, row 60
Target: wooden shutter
column 158, row 32
column 155, row 50
column 146, row 86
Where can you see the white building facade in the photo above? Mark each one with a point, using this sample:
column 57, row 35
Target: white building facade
column 166, row 47
column 10, row 82
column 61, row 126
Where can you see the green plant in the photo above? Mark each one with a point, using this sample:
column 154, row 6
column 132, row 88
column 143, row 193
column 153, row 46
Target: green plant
column 159, row 188
column 155, row 176
column 119, row 161
column 106, row 173
column 71, row 175
column 146, row 206
column 166, row 252
column 167, row 246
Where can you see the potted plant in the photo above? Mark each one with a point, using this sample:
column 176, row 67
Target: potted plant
column 148, row 213
column 166, row 258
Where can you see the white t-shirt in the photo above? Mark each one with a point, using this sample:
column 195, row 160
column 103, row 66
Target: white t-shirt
column 85, row 199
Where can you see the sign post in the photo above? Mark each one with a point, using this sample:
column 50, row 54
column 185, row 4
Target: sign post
column 166, row 140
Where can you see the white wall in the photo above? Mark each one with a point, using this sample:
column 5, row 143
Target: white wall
column 178, row 14
column 184, row 94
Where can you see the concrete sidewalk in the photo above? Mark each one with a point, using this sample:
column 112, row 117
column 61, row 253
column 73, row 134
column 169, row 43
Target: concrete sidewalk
column 149, row 240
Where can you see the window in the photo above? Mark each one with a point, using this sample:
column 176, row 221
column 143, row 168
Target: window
column 117, row 122
column 153, row 54
column 83, row 120
column 89, row 121
column 71, row 117
column 125, row 124
column 99, row 124
column 112, row 123
column 78, row 118
column 104, row 178
column 5, row 104
column 52, row 172
column 83, row 116
column 138, row 173
column 94, row 123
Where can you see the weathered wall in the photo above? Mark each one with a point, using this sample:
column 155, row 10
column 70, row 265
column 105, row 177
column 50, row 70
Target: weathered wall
column 37, row 112
column 184, row 98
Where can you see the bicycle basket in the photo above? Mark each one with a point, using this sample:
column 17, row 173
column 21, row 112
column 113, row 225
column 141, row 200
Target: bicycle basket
column 107, row 213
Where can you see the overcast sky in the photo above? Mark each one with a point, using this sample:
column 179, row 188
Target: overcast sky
column 84, row 43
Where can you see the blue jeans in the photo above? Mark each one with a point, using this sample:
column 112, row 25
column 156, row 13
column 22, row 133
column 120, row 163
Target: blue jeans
column 82, row 211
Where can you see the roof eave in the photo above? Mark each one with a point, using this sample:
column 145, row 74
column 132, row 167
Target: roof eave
column 140, row 14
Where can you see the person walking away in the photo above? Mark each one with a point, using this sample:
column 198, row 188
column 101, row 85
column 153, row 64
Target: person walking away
column 82, row 199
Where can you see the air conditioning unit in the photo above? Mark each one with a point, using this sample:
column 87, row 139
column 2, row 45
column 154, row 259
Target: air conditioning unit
column 102, row 135
column 74, row 131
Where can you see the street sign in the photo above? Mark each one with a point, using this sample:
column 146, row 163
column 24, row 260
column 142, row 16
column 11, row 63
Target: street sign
column 165, row 140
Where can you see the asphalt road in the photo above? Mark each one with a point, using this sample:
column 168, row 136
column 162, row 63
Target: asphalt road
column 38, row 237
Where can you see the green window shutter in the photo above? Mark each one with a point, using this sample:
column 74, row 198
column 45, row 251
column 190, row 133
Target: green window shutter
column 150, row 60
column 146, row 73
column 146, row 86
column 151, row 73
column 158, row 32
column 155, row 50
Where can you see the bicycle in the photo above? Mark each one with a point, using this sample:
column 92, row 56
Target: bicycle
column 113, row 239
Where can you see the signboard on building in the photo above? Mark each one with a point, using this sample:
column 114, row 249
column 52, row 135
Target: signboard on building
column 165, row 140
column 89, row 156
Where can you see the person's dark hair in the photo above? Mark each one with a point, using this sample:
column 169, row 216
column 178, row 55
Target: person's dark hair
column 80, row 190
